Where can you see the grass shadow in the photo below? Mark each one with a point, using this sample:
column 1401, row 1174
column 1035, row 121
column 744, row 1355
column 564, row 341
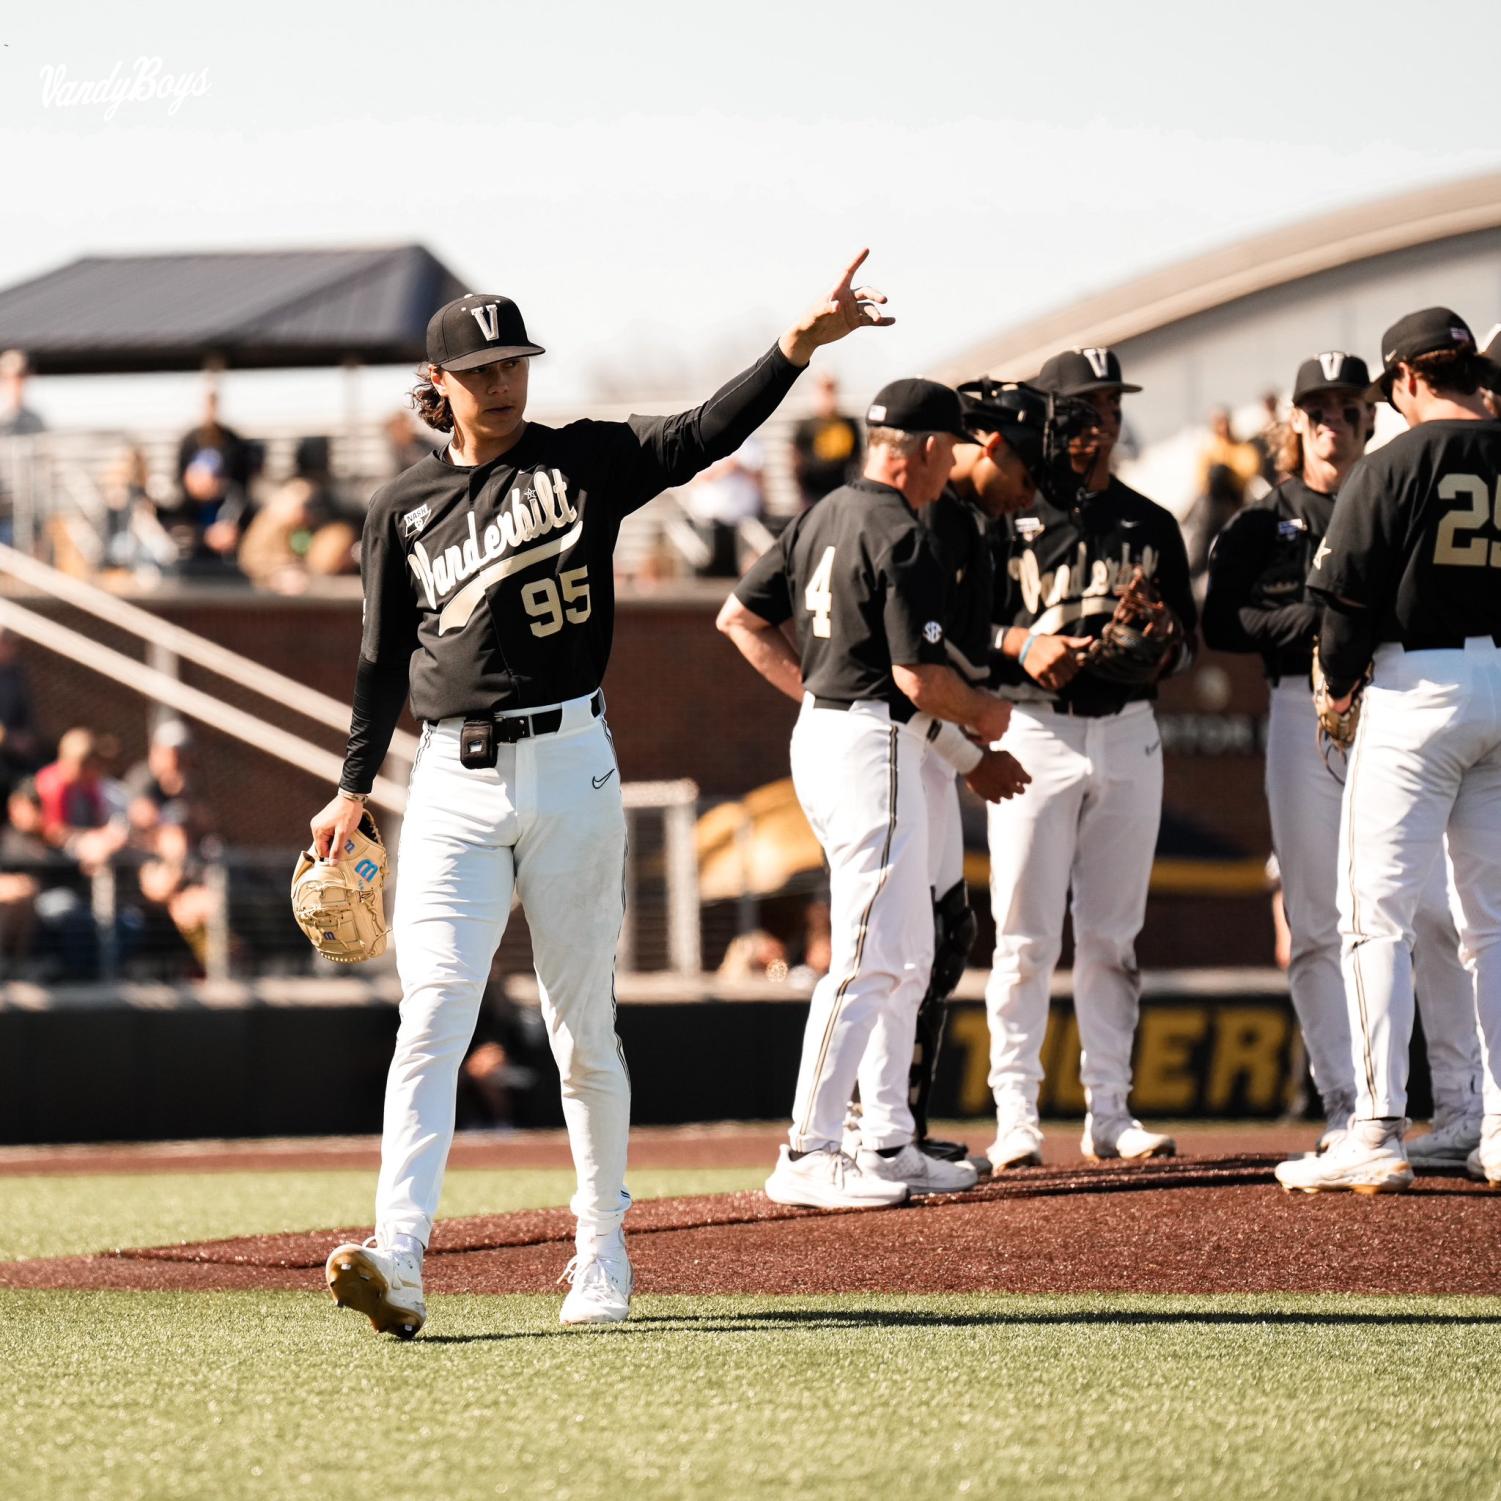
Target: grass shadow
column 762, row 1321
column 898, row 1318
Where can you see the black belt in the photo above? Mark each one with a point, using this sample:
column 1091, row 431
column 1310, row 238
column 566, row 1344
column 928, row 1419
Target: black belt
column 1083, row 711
column 509, row 728
column 900, row 713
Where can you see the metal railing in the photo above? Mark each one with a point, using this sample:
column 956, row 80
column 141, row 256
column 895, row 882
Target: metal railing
column 89, row 926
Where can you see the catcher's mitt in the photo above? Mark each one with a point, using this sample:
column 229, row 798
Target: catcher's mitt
column 1336, row 728
column 338, row 902
column 1138, row 640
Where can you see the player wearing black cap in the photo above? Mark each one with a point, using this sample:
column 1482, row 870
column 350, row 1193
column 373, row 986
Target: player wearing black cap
column 1409, row 580
column 857, row 580
column 1095, row 756
column 992, row 477
column 489, row 596
column 1257, row 602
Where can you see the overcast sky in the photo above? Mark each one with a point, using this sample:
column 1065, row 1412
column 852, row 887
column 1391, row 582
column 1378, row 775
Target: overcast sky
column 663, row 186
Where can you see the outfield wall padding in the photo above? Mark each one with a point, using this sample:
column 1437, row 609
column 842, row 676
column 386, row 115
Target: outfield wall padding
column 154, row 1073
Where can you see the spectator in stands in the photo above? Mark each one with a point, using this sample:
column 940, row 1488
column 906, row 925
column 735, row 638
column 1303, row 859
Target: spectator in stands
column 214, row 469
column 1269, row 438
column 20, row 744
column 405, row 444
column 718, row 500
column 169, row 828
column 178, row 902
column 159, row 789
column 17, row 421
column 1228, row 468
column 134, row 536
column 75, row 809
column 826, row 446
column 18, row 887
column 46, row 925
column 298, row 532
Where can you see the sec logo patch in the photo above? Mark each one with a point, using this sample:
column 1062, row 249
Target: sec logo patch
column 932, row 633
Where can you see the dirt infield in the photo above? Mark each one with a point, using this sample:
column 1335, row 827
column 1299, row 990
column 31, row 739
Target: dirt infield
column 1202, row 1224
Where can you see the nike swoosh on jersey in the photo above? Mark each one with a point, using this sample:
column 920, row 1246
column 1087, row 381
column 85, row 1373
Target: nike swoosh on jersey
column 457, row 612
column 600, row 781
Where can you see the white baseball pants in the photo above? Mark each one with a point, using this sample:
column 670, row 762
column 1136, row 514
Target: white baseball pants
column 1427, row 757
column 546, row 824
column 859, row 780
column 1088, row 823
column 1304, row 798
column 885, row 1075
column 940, row 785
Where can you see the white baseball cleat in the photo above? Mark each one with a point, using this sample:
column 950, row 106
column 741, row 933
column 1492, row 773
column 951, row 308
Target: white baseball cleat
column 599, row 1287
column 1121, row 1136
column 1368, row 1160
column 385, row 1286
column 1339, row 1111
column 828, row 1179
column 1484, row 1162
column 1454, row 1136
column 922, row 1174
column 1017, row 1144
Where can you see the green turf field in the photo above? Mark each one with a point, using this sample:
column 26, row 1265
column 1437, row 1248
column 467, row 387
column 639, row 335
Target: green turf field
column 275, row 1395
column 267, row 1395
column 65, row 1215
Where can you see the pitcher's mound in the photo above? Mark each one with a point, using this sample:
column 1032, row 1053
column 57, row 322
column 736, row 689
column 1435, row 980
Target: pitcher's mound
column 1179, row 1225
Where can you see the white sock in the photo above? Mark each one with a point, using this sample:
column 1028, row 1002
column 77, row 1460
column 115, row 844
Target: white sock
column 590, row 1241
column 407, row 1245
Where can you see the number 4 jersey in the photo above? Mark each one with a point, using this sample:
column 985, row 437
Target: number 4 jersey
column 858, row 578
column 1416, row 536
column 492, row 588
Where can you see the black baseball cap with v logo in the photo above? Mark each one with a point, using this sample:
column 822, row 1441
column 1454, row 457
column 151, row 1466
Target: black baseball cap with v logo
column 477, row 329
column 1076, row 372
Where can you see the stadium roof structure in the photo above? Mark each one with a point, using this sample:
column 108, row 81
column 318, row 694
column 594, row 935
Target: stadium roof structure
column 1349, row 236
column 128, row 314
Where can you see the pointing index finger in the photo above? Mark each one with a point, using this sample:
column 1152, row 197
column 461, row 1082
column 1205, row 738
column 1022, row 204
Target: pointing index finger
column 854, row 266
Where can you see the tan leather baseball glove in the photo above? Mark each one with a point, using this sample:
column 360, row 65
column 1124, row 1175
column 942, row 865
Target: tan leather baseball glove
column 1336, row 728
column 340, row 902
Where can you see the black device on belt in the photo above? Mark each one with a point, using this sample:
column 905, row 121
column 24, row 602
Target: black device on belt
column 480, row 738
column 900, row 712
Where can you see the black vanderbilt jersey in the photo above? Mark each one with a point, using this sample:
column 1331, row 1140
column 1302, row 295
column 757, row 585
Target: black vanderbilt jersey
column 493, row 587
column 1257, row 599
column 959, row 537
column 857, row 578
column 1416, row 536
column 1057, row 573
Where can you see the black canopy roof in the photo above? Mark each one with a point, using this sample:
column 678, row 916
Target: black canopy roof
column 113, row 314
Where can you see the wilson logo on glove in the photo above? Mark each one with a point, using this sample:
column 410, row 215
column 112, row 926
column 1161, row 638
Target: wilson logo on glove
column 340, row 903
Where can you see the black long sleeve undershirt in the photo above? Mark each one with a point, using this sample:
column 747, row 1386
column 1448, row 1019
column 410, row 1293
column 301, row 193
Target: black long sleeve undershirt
column 380, row 694
column 1347, row 637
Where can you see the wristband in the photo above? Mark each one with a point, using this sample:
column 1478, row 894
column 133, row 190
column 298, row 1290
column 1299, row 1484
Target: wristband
column 950, row 742
column 354, row 797
column 1021, row 656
